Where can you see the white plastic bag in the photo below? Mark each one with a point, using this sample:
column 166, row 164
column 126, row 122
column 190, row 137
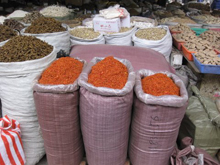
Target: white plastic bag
column 120, row 38
column 113, row 12
column 16, row 93
column 60, row 40
column 163, row 46
column 80, row 41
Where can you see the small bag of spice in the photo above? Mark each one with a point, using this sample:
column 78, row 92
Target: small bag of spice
column 56, row 97
column 157, row 115
column 106, row 97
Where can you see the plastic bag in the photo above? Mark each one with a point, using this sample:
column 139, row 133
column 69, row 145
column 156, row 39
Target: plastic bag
column 199, row 124
column 11, row 149
column 191, row 155
column 114, row 12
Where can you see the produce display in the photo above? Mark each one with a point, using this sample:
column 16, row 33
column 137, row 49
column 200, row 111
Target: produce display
column 109, row 73
column 65, row 70
column 84, row 33
column 30, row 17
column 6, row 33
column 44, row 25
column 55, row 11
column 184, row 20
column 209, row 19
column 159, row 84
column 13, row 24
column 151, row 33
column 185, row 36
column 181, row 27
column 23, row 48
column 201, row 46
column 209, row 59
column 213, row 37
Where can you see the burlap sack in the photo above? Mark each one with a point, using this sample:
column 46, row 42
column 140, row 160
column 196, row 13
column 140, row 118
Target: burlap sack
column 58, row 115
column 105, row 118
column 155, row 123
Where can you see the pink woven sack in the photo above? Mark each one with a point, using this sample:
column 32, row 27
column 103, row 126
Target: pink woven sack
column 190, row 155
column 105, row 116
column 155, row 123
column 58, row 116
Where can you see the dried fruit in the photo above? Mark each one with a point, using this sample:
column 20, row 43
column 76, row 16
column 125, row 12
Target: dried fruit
column 23, row 48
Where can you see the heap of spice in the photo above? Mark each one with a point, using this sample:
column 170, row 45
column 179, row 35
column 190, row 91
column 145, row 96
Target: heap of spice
column 23, row 48
column 30, row 17
column 65, row 70
column 45, row 25
column 6, row 33
column 159, row 84
column 109, row 73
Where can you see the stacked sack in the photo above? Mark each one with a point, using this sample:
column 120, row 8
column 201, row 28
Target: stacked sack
column 56, row 97
column 106, row 97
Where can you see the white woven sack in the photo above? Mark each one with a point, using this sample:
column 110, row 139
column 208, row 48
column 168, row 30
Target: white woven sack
column 80, row 41
column 120, row 38
column 163, row 46
column 60, row 40
column 17, row 80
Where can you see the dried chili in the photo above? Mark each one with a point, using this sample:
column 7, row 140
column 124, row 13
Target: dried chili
column 65, row 70
column 109, row 73
column 159, row 84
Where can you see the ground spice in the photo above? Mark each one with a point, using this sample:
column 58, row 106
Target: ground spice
column 159, row 84
column 65, row 70
column 109, row 73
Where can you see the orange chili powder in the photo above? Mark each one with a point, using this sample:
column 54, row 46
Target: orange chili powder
column 109, row 73
column 159, row 84
column 65, row 70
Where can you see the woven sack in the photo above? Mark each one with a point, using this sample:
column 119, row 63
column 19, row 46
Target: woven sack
column 58, row 115
column 105, row 118
column 155, row 123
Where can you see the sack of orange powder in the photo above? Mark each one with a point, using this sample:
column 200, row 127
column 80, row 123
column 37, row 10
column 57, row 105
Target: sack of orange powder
column 56, row 97
column 105, row 112
column 156, row 118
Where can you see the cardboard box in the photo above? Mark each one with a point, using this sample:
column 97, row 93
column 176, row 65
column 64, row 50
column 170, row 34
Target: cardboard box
column 102, row 24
